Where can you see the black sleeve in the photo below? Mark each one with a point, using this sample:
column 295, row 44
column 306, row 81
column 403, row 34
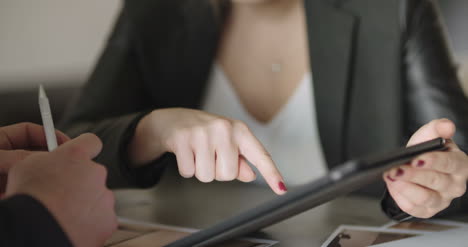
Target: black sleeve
column 24, row 222
column 432, row 87
column 111, row 104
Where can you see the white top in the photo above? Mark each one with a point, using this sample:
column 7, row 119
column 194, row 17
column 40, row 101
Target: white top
column 291, row 137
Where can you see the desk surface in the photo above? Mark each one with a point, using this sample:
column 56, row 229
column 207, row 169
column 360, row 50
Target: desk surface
column 188, row 203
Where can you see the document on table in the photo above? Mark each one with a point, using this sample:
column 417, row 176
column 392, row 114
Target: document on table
column 418, row 233
column 439, row 233
column 131, row 233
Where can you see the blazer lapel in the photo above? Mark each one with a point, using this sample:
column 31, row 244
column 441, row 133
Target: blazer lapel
column 179, row 47
column 331, row 33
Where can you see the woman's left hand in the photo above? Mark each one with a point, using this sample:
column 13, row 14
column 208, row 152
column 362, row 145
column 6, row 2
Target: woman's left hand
column 431, row 181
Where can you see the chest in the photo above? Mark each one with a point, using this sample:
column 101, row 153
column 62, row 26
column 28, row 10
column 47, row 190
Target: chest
column 353, row 54
column 264, row 58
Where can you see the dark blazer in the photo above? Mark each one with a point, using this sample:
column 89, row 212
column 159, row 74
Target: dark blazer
column 381, row 69
column 25, row 222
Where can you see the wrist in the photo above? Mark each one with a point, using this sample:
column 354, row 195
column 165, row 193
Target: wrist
column 147, row 142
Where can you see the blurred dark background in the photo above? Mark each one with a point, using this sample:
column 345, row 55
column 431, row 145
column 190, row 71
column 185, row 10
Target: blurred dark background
column 56, row 42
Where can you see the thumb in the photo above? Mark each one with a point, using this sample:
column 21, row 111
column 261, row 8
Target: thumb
column 85, row 146
column 443, row 128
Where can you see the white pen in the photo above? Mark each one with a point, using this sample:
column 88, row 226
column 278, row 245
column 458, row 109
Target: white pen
column 47, row 121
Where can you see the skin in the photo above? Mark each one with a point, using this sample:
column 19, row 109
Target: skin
column 212, row 147
column 431, row 181
column 208, row 147
column 254, row 38
column 17, row 142
column 66, row 181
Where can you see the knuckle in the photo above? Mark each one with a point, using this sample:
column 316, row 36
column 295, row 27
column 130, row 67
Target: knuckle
column 241, row 126
column 423, row 199
column 408, row 207
column 222, row 125
column 77, row 152
column 181, row 137
column 200, row 133
column 448, row 163
column 459, row 190
column 434, row 180
column 182, row 134
column 267, row 155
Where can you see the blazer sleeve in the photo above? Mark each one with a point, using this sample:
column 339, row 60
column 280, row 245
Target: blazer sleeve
column 111, row 104
column 432, row 87
column 24, row 222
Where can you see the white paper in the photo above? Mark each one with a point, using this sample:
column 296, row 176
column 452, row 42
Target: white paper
column 450, row 238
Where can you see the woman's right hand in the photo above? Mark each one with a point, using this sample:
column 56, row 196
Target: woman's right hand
column 207, row 146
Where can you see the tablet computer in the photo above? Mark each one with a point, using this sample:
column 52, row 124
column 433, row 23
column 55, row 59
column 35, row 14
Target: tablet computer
column 341, row 180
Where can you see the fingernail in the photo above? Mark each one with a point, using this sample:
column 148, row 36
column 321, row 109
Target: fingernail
column 391, row 179
column 420, row 163
column 282, row 187
column 399, row 172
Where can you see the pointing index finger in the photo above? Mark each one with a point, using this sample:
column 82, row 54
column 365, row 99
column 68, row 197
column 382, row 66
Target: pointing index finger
column 253, row 151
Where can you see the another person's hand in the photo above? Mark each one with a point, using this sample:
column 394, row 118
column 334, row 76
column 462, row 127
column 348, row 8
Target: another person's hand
column 72, row 187
column 19, row 141
column 431, row 181
column 207, row 146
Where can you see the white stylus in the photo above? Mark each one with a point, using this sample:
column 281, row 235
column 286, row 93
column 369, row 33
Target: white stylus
column 47, row 121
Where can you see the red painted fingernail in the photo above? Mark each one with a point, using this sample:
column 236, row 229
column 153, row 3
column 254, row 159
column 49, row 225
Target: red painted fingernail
column 420, row 163
column 282, row 187
column 399, row 172
column 391, row 179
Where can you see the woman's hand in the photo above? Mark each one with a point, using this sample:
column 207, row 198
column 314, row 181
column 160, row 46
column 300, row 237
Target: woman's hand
column 207, row 146
column 431, row 181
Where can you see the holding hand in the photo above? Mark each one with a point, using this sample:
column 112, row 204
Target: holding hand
column 208, row 147
column 431, row 181
column 18, row 142
column 72, row 187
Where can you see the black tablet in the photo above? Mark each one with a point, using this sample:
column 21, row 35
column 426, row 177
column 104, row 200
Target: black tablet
column 343, row 179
